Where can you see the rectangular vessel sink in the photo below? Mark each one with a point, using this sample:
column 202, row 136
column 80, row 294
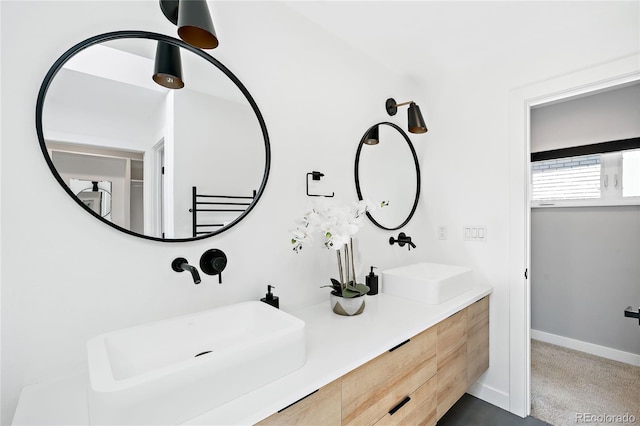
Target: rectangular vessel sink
column 431, row 283
column 169, row 371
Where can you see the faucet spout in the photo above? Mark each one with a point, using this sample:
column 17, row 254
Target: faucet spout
column 180, row 264
column 194, row 272
column 402, row 240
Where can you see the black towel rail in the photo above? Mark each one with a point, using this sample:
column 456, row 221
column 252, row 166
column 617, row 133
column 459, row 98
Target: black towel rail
column 196, row 203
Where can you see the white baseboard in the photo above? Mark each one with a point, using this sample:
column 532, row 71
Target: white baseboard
column 491, row 395
column 590, row 348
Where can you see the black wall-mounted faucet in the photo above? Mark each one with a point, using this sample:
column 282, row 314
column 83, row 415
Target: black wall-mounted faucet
column 402, row 240
column 213, row 262
column 180, row 264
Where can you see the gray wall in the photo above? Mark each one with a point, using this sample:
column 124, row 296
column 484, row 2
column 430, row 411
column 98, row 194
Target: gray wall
column 585, row 264
column 601, row 117
column 585, row 261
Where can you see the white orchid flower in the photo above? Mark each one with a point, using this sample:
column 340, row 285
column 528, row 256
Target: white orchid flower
column 336, row 224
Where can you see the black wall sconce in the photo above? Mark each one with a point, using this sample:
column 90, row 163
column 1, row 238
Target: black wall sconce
column 193, row 20
column 416, row 122
column 167, row 71
column 317, row 176
column 372, row 137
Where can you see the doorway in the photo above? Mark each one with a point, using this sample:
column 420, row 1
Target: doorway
column 585, row 239
column 521, row 101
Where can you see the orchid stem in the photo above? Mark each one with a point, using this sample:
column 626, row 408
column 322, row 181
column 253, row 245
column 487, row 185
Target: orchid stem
column 340, row 267
column 346, row 264
column 353, row 263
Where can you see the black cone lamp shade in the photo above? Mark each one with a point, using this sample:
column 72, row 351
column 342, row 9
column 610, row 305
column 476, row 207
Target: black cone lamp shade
column 372, row 137
column 193, row 20
column 416, row 122
column 167, row 71
column 195, row 25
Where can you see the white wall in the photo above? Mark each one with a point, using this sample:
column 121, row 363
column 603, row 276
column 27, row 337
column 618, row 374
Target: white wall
column 95, row 117
column 318, row 97
column 219, row 149
column 51, row 306
column 467, row 164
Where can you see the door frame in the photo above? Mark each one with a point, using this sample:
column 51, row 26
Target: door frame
column 521, row 100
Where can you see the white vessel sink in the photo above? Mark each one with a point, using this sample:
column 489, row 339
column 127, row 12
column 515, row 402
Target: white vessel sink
column 431, row 283
column 169, row 371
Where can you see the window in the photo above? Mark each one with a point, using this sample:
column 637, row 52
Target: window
column 611, row 178
column 631, row 173
column 573, row 178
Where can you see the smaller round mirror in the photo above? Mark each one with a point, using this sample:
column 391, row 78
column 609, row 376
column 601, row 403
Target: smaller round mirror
column 388, row 172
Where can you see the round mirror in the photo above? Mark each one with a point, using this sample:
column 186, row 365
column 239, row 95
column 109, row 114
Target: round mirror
column 388, row 172
column 175, row 144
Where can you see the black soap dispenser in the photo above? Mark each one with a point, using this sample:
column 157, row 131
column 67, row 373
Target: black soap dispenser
column 270, row 299
column 372, row 282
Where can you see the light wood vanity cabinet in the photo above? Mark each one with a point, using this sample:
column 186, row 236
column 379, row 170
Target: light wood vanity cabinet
column 452, row 360
column 372, row 390
column 414, row 383
column 419, row 408
column 477, row 340
column 320, row 408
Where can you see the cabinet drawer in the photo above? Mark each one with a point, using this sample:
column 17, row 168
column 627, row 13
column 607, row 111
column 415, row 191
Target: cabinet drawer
column 371, row 390
column 319, row 408
column 452, row 361
column 477, row 340
column 452, row 380
column 452, row 333
column 478, row 312
column 420, row 409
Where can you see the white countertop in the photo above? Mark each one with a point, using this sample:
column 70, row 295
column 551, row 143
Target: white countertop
column 335, row 346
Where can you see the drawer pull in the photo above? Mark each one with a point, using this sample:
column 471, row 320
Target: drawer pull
column 399, row 406
column 294, row 403
column 397, row 346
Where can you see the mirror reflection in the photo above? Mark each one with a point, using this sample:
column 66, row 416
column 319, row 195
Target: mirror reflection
column 95, row 195
column 105, row 120
column 388, row 171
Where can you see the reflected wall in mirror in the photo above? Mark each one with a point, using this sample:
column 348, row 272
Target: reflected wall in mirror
column 94, row 194
column 100, row 117
column 388, row 172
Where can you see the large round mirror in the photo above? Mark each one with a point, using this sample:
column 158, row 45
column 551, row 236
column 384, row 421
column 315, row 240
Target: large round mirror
column 180, row 161
column 388, row 172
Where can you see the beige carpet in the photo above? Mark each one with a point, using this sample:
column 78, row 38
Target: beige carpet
column 570, row 387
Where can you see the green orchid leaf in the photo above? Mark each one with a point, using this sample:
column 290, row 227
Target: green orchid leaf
column 363, row 289
column 347, row 293
column 358, row 288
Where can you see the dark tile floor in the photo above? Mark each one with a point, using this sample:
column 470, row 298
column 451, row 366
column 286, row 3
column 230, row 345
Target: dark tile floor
column 471, row 411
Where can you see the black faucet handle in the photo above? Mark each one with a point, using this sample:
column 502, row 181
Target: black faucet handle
column 402, row 240
column 213, row 262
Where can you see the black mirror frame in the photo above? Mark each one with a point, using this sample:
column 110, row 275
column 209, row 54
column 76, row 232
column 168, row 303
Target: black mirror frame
column 415, row 159
column 175, row 42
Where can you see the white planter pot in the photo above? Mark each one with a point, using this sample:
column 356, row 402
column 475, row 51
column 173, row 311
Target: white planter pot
column 346, row 306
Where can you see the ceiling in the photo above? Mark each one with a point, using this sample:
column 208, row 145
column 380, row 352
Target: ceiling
column 417, row 36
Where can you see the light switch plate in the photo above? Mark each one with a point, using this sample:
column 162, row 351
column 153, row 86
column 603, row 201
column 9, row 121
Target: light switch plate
column 442, row 232
column 474, row 233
